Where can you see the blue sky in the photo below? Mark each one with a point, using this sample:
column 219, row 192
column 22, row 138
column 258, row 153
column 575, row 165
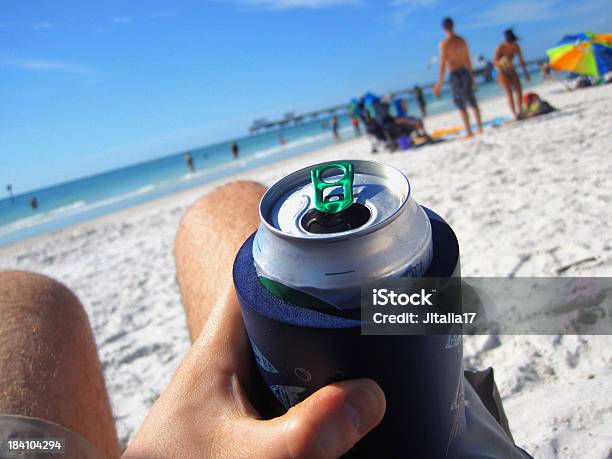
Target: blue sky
column 90, row 86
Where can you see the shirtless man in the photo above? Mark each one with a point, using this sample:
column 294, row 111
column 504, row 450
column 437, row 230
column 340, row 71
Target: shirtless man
column 455, row 55
column 506, row 74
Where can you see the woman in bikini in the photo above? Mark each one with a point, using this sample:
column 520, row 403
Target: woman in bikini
column 506, row 73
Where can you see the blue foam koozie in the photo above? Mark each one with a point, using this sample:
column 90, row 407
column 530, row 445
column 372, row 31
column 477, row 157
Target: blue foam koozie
column 299, row 350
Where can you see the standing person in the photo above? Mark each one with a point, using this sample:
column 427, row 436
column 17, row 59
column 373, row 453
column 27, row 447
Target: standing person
column 420, row 98
column 356, row 127
column 235, row 150
column 189, row 160
column 34, row 203
column 455, row 55
column 9, row 190
column 334, row 124
column 506, row 73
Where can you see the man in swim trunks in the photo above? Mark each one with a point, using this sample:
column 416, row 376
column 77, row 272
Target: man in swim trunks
column 506, row 73
column 455, row 55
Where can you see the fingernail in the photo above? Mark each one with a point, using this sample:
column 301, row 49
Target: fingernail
column 364, row 404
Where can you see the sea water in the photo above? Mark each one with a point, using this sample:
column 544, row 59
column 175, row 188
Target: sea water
column 80, row 200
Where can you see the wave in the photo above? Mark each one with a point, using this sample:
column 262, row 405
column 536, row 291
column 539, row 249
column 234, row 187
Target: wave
column 68, row 210
column 42, row 217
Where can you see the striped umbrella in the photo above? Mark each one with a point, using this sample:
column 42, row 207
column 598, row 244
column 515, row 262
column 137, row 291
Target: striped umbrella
column 586, row 53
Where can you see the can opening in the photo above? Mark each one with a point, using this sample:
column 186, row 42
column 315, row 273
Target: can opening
column 317, row 222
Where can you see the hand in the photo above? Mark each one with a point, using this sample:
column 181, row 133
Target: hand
column 205, row 412
column 436, row 89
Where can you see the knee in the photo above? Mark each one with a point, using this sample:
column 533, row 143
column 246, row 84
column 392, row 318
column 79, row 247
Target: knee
column 225, row 199
column 229, row 206
column 38, row 300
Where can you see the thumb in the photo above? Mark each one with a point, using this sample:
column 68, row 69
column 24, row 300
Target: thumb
column 328, row 423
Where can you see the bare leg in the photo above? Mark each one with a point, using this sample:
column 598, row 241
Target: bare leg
column 505, row 84
column 209, row 237
column 466, row 122
column 518, row 90
column 476, row 111
column 49, row 366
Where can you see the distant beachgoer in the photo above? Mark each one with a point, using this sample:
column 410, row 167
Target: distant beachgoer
column 34, row 203
column 420, row 98
column 356, row 127
column 506, row 73
column 189, row 160
column 545, row 70
column 334, row 126
column 9, row 190
column 235, row 150
column 282, row 140
column 533, row 105
column 455, row 55
column 403, row 124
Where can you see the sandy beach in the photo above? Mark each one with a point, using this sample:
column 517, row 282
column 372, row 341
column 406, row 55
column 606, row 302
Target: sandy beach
column 531, row 198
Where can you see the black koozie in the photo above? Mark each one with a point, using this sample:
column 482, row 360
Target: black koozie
column 300, row 350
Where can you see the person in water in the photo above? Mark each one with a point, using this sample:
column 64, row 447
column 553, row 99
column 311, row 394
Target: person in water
column 420, row 98
column 455, row 56
column 189, row 160
column 34, row 203
column 9, row 190
column 235, row 150
column 334, row 125
column 506, row 73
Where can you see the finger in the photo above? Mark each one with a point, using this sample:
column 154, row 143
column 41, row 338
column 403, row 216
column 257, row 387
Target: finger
column 325, row 425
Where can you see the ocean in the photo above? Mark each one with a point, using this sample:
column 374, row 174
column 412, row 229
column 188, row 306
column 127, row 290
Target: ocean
column 76, row 201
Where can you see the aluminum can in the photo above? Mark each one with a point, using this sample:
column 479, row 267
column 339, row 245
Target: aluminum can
column 326, row 228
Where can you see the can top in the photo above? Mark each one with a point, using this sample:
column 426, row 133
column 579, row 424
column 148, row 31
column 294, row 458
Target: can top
column 332, row 187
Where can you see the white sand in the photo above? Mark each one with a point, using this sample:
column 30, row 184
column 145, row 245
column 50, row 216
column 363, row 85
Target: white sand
column 525, row 199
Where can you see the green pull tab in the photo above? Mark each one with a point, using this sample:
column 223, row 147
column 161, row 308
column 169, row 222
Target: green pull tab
column 346, row 182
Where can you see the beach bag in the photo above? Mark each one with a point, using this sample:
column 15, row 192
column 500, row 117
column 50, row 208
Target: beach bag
column 404, row 142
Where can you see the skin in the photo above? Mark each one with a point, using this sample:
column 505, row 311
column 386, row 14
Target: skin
column 509, row 80
column 206, row 410
column 454, row 55
column 49, row 366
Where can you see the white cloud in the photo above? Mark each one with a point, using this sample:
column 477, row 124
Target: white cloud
column 401, row 10
column 164, row 14
column 288, row 4
column 45, row 65
column 122, row 19
column 512, row 12
column 43, row 25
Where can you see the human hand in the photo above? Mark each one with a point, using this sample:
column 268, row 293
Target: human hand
column 205, row 412
column 436, row 89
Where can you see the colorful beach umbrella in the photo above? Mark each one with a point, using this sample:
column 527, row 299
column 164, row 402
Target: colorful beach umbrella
column 586, row 53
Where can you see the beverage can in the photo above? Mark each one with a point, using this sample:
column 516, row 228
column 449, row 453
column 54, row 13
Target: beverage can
column 326, row 228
